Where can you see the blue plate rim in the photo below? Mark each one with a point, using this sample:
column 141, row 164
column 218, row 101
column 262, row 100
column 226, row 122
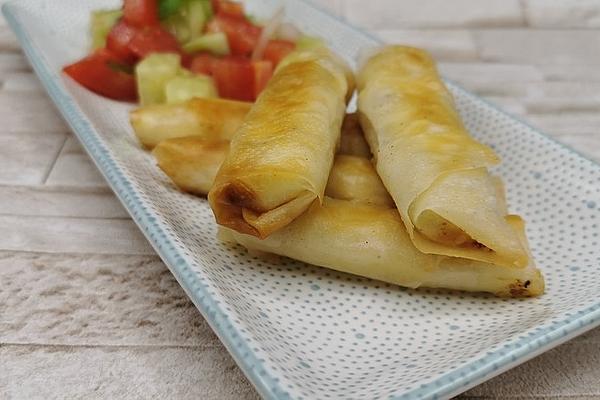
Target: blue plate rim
column 456, row 381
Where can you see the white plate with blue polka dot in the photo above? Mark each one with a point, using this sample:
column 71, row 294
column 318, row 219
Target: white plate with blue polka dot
column 302, row 332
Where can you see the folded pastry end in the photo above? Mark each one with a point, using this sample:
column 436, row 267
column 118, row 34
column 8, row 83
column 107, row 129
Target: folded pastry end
column 529, row 288
column 236, row 206
column 227, row 202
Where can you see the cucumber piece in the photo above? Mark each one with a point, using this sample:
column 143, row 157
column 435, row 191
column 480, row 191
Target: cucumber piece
column 183, row 88
column 196, row 16
column 254, row 20
column 309, row 43
column 208, row 10
column 153, row 73
column 177, row 24
column 101, row 22
column 188, row 21
column 215, row 43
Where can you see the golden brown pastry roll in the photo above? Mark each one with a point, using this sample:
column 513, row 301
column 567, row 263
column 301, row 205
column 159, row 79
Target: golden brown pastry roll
column 364, row 220
column 353, row 178
column 353, row 141
column 434, row 170
column 209, row 118
column 192, row 164
column 372, row 241
column 218, row 119
column 280, row 158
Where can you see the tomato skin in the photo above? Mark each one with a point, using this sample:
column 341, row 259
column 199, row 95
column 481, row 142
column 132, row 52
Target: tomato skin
column 263, row 70
column 118, row 40
column 241, row 34
column 215, row 5
column 97, row 72
column 141, row 13
column 186, row 59
column 234, row 77
column 230, row 8
column 153, row 40
column 276, row 50
column 203, row 63
column 130, row 44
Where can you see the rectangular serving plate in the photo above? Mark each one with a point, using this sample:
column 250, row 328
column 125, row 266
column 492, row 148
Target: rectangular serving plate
column 299, row 331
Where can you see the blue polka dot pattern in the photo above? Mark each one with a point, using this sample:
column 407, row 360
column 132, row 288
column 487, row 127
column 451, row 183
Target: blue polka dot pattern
column 301, row 332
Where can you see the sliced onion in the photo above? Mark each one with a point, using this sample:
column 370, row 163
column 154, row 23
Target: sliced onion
column 267, row 33
column 288, row 31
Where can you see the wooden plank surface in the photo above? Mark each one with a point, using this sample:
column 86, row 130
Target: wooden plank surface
column 60, row 201
column 72, row 235
column 73, row 167
column 28, row 157
column 88, row 311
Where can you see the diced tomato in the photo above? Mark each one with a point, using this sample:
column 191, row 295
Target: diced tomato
column 203, row 63
column 141, row 13
column 230, row 8
column 131, row 44
column 215, row 5
column 118, row 40
column 186, row 59
column 241, row 34
column 153, row 40
column 276, row 50
column 263, row 70
column 237, row 77
column 102, row 73
column 234, row 77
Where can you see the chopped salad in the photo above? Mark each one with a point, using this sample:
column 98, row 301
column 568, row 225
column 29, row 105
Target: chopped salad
column 168, row 51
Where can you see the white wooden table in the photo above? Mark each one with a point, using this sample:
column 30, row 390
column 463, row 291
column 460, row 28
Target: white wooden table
column 87, row 310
